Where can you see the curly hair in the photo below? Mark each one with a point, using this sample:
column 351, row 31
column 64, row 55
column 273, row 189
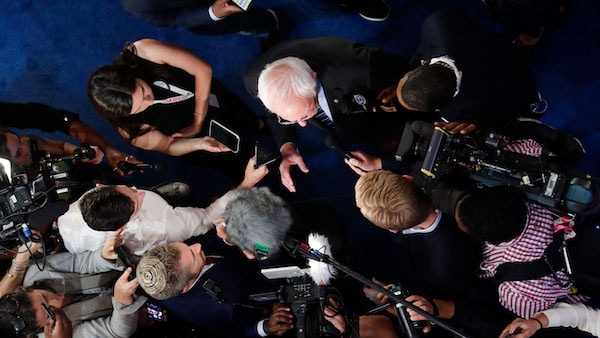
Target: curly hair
column 428, row 87
column 495, row 215
column 160, row 274
column 391, row 201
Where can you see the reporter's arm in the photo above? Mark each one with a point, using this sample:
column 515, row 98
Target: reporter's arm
column 88, row 135
column 176, row 146
column 16, row 272
column 163, row 53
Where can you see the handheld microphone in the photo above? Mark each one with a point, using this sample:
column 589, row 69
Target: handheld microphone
column 84, row 152
column 127, row 167
column 333, row 143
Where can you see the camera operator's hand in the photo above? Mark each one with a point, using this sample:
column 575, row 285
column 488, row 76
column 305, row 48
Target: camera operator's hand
column 374, row 295
column 280, row 321
column 385, row 98
column 334, row 316
column 61, row 327
column 423, row 304
column 527, row 327
column 289, row 157
column 25, row 251
column 457, row 127
column 362, row 163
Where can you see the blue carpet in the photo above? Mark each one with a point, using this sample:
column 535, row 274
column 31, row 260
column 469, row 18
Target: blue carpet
column 49, row 49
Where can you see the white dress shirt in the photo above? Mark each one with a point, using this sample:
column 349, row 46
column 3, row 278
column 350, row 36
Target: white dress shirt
column 157, row 222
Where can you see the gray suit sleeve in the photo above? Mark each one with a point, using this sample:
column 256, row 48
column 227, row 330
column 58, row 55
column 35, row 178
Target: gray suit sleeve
column 87, row 262
column 122, row 323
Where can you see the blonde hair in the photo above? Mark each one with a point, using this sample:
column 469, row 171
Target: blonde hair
column 391, row 201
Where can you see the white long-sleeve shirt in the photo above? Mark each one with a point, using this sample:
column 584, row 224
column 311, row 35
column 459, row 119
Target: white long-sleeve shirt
column 579, row 316
column 157, row 222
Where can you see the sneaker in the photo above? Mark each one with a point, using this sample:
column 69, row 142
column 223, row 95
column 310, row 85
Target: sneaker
column 173, row 189
column 373, row 10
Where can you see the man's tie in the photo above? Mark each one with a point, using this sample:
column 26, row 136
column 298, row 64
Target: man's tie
column 323, row 118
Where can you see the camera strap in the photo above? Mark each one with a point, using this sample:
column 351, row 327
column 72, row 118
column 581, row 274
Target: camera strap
column 548, row 264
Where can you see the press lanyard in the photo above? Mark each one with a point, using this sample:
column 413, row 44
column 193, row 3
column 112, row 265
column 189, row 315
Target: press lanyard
column 183, row 94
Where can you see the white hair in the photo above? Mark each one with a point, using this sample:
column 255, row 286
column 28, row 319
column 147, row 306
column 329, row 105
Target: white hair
column 284, row 78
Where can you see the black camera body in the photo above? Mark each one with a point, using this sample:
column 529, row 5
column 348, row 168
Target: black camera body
column 27, row 200
column 465, row 161
column 307, row 301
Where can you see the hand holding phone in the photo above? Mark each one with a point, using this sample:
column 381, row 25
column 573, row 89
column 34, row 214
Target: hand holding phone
column 263, row 156
column 224, row 135
column 60, row 326
column 50, row 314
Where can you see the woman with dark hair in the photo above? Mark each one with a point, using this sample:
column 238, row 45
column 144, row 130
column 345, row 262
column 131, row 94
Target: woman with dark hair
column 160, row 97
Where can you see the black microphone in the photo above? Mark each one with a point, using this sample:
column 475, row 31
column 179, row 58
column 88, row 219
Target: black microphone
column 333, row 143
column 84, row 152
column 127, row 167
column 297, row 248
column 423, row 128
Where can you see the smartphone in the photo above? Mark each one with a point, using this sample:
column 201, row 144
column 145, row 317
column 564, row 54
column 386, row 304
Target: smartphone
column 127, row 260
column 243, row 4
column 224, row 135
column 50, row 314
column 263, row 156
column 155, row 312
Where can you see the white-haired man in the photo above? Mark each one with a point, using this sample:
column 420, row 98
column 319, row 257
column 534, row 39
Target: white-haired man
column 327, row 82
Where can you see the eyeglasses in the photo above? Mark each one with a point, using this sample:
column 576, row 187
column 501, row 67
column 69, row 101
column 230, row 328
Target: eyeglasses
column 285, row 122
column 12, row 306
column 310, row 113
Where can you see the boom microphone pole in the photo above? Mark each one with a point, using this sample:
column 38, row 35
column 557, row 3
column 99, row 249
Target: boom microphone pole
column 296, row 248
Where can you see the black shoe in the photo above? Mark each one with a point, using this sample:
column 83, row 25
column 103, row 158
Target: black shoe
column 372, row 10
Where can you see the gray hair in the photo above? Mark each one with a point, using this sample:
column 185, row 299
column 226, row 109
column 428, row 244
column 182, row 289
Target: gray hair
column 160, row 274
column 257, row 216
column 285, row 78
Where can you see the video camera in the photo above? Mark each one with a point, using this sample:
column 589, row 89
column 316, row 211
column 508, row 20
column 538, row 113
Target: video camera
column 307, row 301
column 29, row 197
column 448, row 158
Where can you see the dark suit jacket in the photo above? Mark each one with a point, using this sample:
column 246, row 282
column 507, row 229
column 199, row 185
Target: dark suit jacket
column 445, row 259
column 237, row 277
column 193, row 15
column 497, row 85
column 344, row 68
column 171, row 13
